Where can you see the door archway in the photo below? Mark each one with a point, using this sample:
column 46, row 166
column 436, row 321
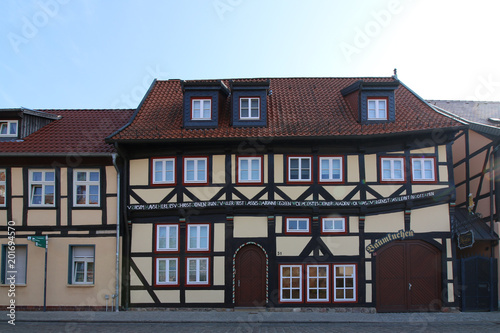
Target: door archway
column 250, row 276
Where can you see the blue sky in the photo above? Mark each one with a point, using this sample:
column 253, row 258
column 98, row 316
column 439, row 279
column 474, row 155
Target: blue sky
column 58, row 54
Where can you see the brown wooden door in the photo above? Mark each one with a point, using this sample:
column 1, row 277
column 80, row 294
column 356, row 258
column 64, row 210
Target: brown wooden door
column 408, row 277
column 250, row 277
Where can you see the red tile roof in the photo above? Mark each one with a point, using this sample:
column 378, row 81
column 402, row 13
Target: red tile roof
column 78, row 131
column 298, row 107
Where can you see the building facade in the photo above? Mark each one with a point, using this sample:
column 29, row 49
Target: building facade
column 58, row 179
column 317, row 192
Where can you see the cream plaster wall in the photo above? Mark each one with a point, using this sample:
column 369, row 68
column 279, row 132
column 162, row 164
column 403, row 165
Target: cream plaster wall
column 168, row 296
column 278, row 168
column 339, row 192
column 218, row 169
column 145, row 266
column 250, row 226
column 219, row 237
column 429, row 219
column 342, row 245
column 64, row 182
column 111, row 180
column 352, row 168
column 139, row 172
column 291, row 245
column 219, row 270
column 38, row 217
column 17, row 181
column 371, row 168
column 294, row 191
column 390, row 222
column 153, row 195
column 204, row 296
column 86, row 217
column 142, row 236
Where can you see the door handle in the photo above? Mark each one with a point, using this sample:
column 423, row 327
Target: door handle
column 409, row 286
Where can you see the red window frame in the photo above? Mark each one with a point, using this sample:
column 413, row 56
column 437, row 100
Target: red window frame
column 287, row 232
column 152, row 171
column 342, row 171
column 434, row 165
column 209, row 271
column 381, row 170
column 293, row 301
column 328, row 283
column 249, row 182
column 156, row 237
column 356, row 287
column 209, row 243
column 299, row 181
column 194, row 183
column 158, row 284
column 346, row 225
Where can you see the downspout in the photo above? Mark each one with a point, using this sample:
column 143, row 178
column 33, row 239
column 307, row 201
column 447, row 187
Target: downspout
column 118, row 197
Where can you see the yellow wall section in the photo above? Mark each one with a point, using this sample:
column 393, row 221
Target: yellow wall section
column 449, row 265
column 111, row 210
column 111, row 186
column 139, row 172
column 430, row 219
column 266, row 169
column 278, row 168
column 64, row 211
column 202, row 193
column 251, row 191
column 145, row 266
column 86, row 217
column 371, row 168
column 443, row 173
column 339, row 192
column 168, row 296
column 369, row 293
column 219, row 271
column 342, row 245
column 451, row 297
column 218, row 169
column 219, row 237
column 204, row 296
column 64, row 182
column 250, row 226
column 352, row 169
column 291, row 246
column 368, row 270
column 442, row 154
column 425, row 188
column 428, row 150
column 386, row 190
column 233, row 169
column 391, row 222
column 17, row 181
column 38, row 217
column 140, row 296
column 353, row 224
column 3, row 217
column 279, row 224
column 142, row 236
column 153, row 195
column 293, row 191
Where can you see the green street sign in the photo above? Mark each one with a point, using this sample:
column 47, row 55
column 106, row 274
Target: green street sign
column 40, row 241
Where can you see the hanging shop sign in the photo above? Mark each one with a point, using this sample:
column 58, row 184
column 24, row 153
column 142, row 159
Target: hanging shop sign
column 401, row 234
column 279, row 203
column 466, row 239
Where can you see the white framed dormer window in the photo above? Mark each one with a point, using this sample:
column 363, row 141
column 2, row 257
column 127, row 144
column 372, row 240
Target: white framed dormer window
column 3, row 187
column 344, row 283
column 167, row 237
column 201, row 109
column 86, row 187
column 423, row 169
column 318, row 283
column 299, row 169
column 167, row 271
column 290, row 283
column 298, row 225
column 197, row 271
column 42, row 188
column 250, row 170
column 195, row 170
column 330, row 169
column 8, row 128
column 163, row 170
column 82, row 264
column 377, row 108
column 392, row 169
column 198, row 237
column 249, row 108
column 333, row 225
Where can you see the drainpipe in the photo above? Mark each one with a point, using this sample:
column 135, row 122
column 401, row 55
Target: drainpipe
column 118, row 198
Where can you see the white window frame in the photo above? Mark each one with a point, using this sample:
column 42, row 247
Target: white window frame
column 15, row 263
column 3, row 187
column 198, row 271
column 250, row 170
column 170, row 229
column 197, row 238
column 291, row 287
column 317, row 276
column 344, row 277
column 297, row 230
column 8, row 124
column 163, row 170
column 85, row 259
column 378, row 109
column 44, row 185
column 326, row 230
column 167, row 281
column 330, row 169
column 249, row 100
column 392, row 169
column 299, row 158
column 202, row 102
column 87, row 183
column 421, row 161
column 196, row 180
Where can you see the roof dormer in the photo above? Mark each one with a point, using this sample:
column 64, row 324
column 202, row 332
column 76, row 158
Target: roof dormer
column 202, row 103
column 19, row 123
column 372, row 102
column 249, row 103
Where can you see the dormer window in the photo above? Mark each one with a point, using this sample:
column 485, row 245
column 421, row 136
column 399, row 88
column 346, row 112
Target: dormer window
column 8, row 128
column 377, row 108
column 201, row 109
column 249, row 108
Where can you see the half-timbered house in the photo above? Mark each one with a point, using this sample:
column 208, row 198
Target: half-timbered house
column 475, row 227
column 58, row 180
column 288, row 192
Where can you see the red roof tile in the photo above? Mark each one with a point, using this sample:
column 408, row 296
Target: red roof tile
column 298, row 107
column 78, row 131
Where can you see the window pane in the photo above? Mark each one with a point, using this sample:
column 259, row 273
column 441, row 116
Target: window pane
column 94, row 176
column 49, row 176
column 3, row 128
column 327, row 224
column 49, row 194
column 37, row 176
column 339, row 224
column 292, row 224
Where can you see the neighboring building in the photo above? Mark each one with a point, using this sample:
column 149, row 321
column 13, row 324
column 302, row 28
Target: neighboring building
column 317, row 192
column 476, row 161
column 58, row 179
